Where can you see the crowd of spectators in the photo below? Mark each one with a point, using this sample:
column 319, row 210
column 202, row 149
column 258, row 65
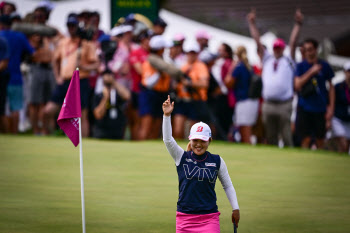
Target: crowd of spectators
column 126, row 74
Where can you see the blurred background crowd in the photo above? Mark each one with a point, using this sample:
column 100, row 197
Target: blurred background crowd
column 127, row 73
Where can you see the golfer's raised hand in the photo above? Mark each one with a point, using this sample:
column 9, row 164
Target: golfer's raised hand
column 168, row 107
column 235, row 217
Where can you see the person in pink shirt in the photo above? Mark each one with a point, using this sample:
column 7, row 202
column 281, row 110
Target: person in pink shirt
column 137, row 57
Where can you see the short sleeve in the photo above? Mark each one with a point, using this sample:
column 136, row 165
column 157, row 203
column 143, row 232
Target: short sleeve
column 27, row 47
column 237, row 72
column 299, row 70
column 4, row 49
column 266, row 56
column 133, row 58
column 203, row 70
column 329, row 74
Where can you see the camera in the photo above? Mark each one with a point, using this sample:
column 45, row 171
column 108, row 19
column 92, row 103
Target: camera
column 85, row 33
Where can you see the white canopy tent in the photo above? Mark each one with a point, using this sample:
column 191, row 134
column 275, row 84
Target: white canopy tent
column 176, row 24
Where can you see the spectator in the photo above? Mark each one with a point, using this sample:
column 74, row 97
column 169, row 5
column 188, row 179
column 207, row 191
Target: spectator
column 7, row 8
column 315, row 102
column 137, row 57
column 226, row 100
column 341, row 118
column 94, row 22
column 4, row 79
column 159, row 26
column 41, row 15
column 246, row 110
column 277, row 77
column 214, row 99
column 192, row 91
column 72, row 52
column 176, row 55
column 107, row 107
column 202, row 37
column 18, row 46
column 120, row 65
column 155, row 88
column 42, row 81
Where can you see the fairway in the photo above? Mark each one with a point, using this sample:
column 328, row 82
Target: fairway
column 132, row 187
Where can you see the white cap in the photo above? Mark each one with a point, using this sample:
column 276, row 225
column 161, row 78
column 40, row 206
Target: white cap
column 192, row 46
column 159, row 42
column 200, row 131
column 127, row 28
column 116, row 31
column 347, row 65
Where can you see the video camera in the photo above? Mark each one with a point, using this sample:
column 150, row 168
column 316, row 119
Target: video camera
column 85, row 33
column 108, row 48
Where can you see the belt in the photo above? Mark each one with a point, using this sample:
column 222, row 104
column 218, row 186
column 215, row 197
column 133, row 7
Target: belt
column 43, row 65
column 274, row 101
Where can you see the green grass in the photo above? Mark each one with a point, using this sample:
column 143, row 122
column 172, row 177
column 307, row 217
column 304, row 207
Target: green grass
column 132, row 187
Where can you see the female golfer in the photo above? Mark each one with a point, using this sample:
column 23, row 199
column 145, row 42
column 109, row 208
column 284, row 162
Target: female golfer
column 197, row 170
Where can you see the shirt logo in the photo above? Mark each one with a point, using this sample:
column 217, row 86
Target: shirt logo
column 200, row 173
column 210, row 164
column 199, row 129
column 191, row 161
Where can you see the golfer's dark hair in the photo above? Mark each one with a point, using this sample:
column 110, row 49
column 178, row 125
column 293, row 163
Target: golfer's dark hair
column 311, row 41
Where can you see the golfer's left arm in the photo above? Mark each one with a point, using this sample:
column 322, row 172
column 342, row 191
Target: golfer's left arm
column 230, row 191
column 226, row 182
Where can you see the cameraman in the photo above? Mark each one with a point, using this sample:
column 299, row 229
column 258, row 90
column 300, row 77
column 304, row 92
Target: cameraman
column 72, row 52
column 107, row 108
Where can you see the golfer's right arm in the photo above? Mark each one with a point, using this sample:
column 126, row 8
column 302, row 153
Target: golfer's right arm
column 174, row 149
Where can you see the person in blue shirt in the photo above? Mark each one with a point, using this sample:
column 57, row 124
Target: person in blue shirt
column 246, row 109
column 18, row 47
column 341, row 118
column 197, row 171
column 4, row 78
column 315, row 102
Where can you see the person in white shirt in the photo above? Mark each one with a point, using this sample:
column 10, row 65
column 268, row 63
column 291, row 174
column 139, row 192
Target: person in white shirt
column 277, row 77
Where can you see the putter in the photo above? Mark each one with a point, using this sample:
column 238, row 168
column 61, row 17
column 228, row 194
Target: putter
column 234, row 226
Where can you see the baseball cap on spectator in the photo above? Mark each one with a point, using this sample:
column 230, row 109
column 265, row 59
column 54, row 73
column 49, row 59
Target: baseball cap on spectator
column 130, row 18
column 116, row 31
column 15, row 15
column 72, row 19
column 127, row 28
column 179, row 37
column 159, row 42
column 159, row 21
column 347, row 66
column 47, row 4
column 202, row 34
column 191, row 47
column 145, row 34
column 206, row 56
column 200, row 131
column 279, row 43
column 119, row 30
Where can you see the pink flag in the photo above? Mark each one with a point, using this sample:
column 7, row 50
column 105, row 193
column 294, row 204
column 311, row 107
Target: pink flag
column 68, row 120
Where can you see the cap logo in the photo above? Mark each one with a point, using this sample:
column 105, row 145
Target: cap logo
column 199, row 129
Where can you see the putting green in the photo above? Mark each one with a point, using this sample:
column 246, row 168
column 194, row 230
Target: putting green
column 132, row 187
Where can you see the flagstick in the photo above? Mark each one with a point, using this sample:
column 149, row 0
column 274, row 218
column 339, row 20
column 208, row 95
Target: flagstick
column 82, row 177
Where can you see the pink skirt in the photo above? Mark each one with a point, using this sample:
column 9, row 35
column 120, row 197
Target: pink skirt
column 197, row 223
